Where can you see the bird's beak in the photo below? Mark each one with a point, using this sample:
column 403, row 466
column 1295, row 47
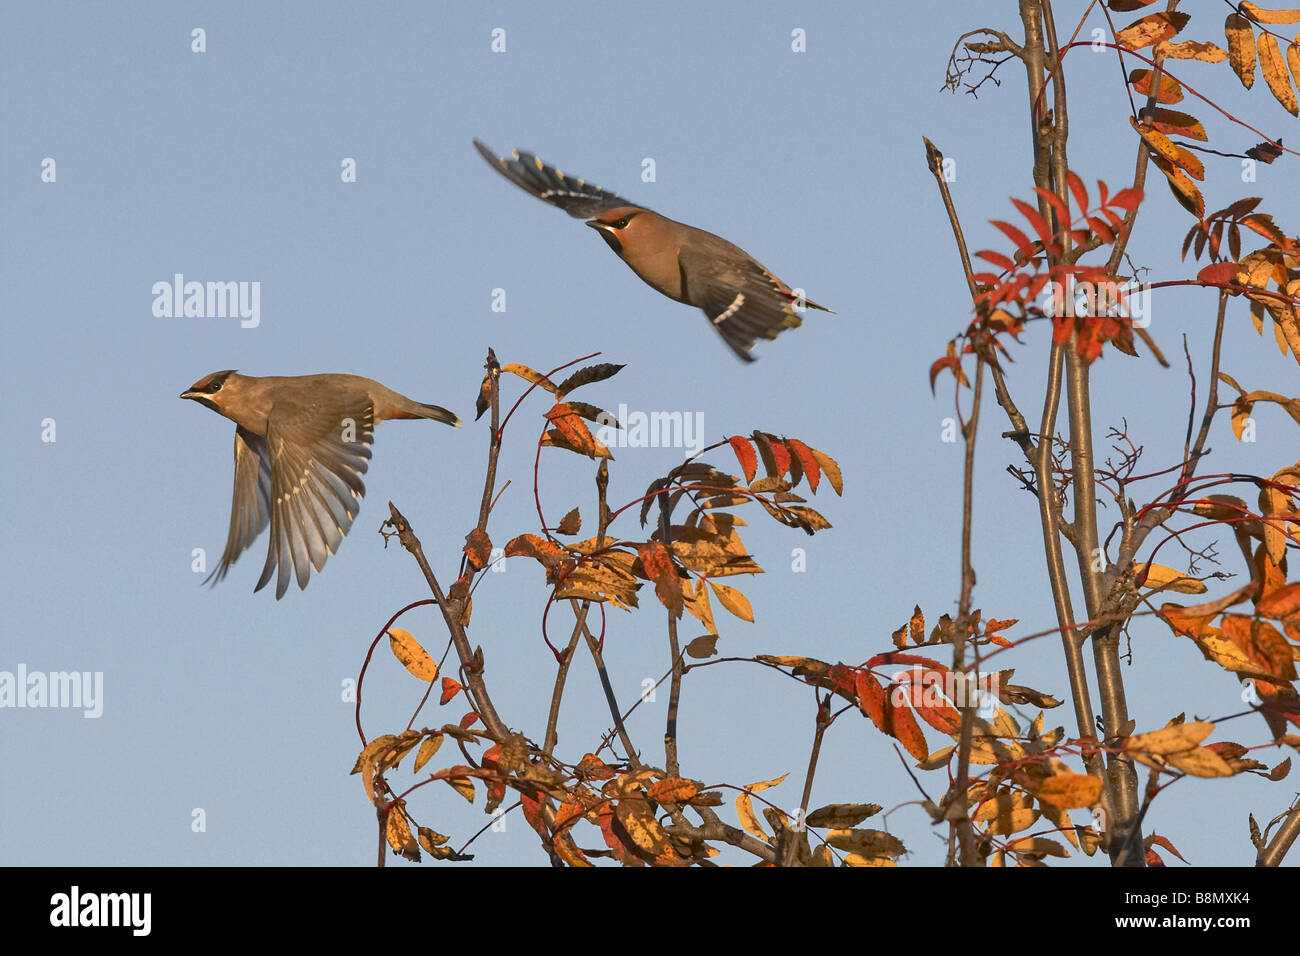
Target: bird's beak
column 608, row 234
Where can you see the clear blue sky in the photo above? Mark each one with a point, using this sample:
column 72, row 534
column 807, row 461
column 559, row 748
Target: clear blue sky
column 225, row 166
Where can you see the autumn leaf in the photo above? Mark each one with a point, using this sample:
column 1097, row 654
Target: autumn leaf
column 841, row 815
column 1166, row 579
column 896, row 722
column 745, row 455
column 585, row 376
column 733, row 601
column 1069, row 790
column 428, row 748
column 478, row 548
column 572, row 433
column 1151, row 29
column 412, row 656
column 529, row 375
column 1274, row 69
column 1169, row 91
column 450, row 688
column 659, row 568
column 571, row 523
column 1241, row 48
column 704, row 646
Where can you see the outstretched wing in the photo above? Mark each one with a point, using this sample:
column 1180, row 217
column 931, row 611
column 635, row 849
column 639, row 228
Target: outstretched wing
column 318, row 451
column 741, row 299
column 251, row 508
column 578, row 198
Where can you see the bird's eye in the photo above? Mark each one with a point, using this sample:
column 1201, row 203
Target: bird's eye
column 622, row 221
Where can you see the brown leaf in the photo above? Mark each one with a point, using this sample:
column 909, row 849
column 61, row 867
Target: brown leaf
column 585, row 376
column 478, row 548
column 841, row 815
column 702, row 647
column 571, row 523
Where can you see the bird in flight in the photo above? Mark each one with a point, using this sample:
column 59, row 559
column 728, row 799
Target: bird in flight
column 741, row 298
column 302, row 444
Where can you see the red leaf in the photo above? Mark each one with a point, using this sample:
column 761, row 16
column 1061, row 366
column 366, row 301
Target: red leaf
column 1127, row 199
column 450, row 688
column 997, row 258
column 745, row 455
column 1079, row 190
column 1015, row 235
column 1219, row 272
column 812, row 471
column 1057, row 203
column 1038, row 223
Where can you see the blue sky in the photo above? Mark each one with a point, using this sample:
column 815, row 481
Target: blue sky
column 225, row 166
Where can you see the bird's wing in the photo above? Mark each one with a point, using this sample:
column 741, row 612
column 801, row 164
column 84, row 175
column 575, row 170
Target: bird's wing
column 579, row 199
column 741, row 299
column 319, row 449
column 251, row 508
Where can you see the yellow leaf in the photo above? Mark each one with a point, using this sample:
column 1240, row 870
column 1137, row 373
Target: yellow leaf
column 1167, row 579
column 398, row 833
column 733, row 601
column 413, row 657
column 766, row 784
column 1241, row 49
column 748, row 820
column 1067, row 790
column 428, row 748
column 1170, row 739
column 528, row 375
column 462, row 785
column 1013, row 822
column 1293, row 58
column 1201, row 762
column 1273, row 67
column 1260, row 15
column 1205, row 52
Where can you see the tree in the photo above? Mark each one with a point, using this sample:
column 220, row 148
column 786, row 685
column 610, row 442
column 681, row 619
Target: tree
column 1007, row 786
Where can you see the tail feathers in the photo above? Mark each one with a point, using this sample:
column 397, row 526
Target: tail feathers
column 437, row 413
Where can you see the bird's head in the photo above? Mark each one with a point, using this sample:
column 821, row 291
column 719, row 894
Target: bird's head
column 621, row 225
column 208, row 390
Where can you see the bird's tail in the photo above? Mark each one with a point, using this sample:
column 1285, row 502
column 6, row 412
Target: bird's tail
column 437, row 413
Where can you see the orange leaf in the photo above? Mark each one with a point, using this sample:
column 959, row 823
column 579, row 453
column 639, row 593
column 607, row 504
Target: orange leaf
column 478, row 548
column 450, row 688
column 745, row 455
column 658, row 564
column 809, row 462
